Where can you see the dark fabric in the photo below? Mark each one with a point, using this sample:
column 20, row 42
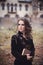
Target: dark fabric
column 18, row 42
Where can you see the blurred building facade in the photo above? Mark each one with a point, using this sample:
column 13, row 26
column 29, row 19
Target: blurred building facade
column 15, row 7
column 12, row 8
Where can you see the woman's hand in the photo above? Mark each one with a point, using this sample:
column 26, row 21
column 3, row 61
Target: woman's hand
column 28, row 56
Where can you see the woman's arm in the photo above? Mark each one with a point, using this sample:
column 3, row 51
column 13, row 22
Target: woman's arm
column 32, row 50
column 14, row 51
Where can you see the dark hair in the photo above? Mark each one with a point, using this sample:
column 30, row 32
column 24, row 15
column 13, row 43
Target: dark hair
column 28, row 27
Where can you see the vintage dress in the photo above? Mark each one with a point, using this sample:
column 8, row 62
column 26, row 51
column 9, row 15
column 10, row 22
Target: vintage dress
column 18, row 42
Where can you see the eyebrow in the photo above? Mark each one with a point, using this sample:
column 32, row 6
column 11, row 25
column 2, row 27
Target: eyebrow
column 21, row 24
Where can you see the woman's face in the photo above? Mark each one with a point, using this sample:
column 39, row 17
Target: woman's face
column 21, row 26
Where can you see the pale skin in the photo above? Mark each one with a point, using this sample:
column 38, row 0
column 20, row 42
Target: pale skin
column 21, row 28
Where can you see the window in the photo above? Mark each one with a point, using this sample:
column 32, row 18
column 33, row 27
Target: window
column 7, row 15
column 26, row 15
column 15, row 7
column 8, row 5
column 41, row 5
column 3, row 6
column 20, row 6
column 26, row 7
column 11, row 7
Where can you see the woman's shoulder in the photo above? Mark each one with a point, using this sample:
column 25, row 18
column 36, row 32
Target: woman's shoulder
column 14, row 36
column 31, row 39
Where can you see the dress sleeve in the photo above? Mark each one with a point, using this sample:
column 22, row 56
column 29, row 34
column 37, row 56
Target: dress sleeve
column 32, row 49
column 14, row 47
column 14, row 51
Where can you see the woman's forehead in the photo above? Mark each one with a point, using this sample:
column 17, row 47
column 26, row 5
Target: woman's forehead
column 20, row 21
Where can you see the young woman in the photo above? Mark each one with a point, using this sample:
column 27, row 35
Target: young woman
column 21, row 41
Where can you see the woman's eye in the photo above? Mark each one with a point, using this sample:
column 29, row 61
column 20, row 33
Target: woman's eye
column 21, row 24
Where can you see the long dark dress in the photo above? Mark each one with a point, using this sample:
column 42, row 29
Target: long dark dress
column 17, row 44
